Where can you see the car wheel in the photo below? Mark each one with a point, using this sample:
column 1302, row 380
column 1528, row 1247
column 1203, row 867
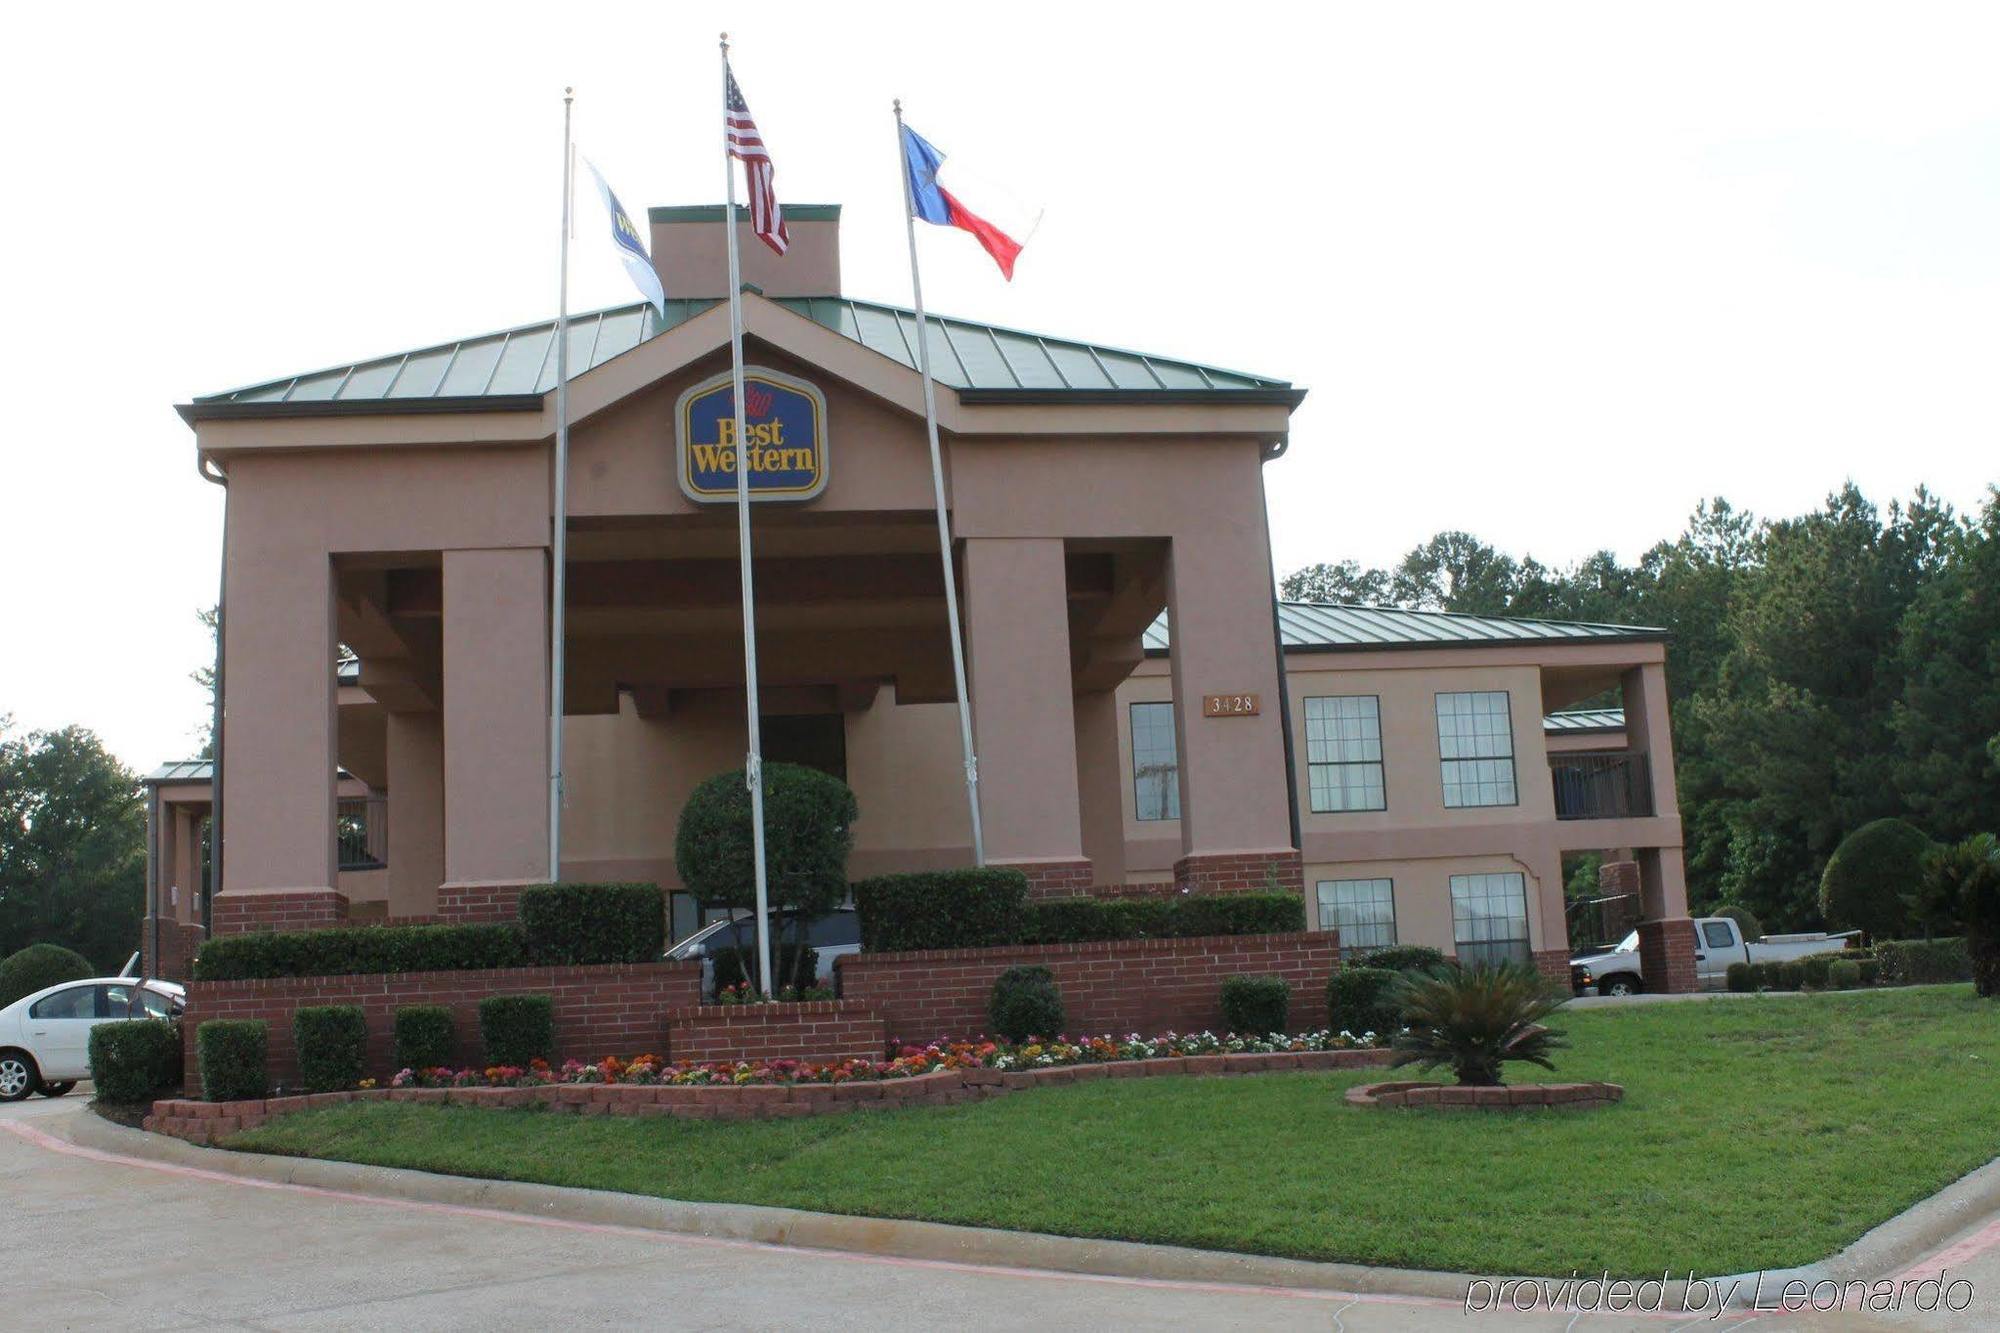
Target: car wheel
column 18, row 1075
column 1618, row 986
column 55, row 1089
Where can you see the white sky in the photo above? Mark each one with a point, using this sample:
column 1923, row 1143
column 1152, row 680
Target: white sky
column 1552, row 272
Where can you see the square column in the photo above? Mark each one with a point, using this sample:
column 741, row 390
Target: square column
column 416, row 812
column 1100, row 781
column 1236, row 832
column 496, row 730
column 1644, row 691
column 1666, row 934
column 1017, row 624
column 278, row 742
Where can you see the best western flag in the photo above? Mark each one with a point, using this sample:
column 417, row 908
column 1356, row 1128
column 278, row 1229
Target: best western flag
column 931, row 202
column 631, row 249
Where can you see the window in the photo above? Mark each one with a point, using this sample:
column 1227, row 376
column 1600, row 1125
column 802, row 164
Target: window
column 1489, row 917
column 1718, row 934
column 1362, row 910
column 1156, row 768
column 76, row 1002
column 1344, row 753
column 1476, row 745
column 156, row 1005
column 116, row 1001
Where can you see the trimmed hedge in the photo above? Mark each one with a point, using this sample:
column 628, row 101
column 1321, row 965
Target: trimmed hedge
column 1740, row 977
column 1818, row 970
column 1844, row 974
column 347, row 950
column 425, row 1037
column 38, row 967
column 1237, row 914
column 518, row 1029
column 571, row 924
column 1923, row 962
column 1405, row 958
column 941, row 909
column 135, row 1060
column 234, row 1054
column 1364, row 999
column 1025, row 1003
column 332, row 1041
column 1256, row 1005
column 1075, row 920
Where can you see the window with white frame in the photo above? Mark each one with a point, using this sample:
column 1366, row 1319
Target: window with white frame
column 1344, row 753
column 1476, row 748
column 1362, row 910
column 1156, row 769
column 1489, row 917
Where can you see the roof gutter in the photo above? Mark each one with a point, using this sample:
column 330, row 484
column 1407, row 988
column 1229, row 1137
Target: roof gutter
column 200, row 410
column 1131, row 397
column 217, row 476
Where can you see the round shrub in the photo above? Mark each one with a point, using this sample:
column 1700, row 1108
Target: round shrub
column 1868, row 875
column 136, row 1060
column 332, row 1042
column 1364, row 999
column 518, row 1029
column 1256, row 1006
column 1406, row 958
column 234, row 1054
column 1746, row 920
column 1844, row 974
column 808, row 832
column 1818, row 970
column 424, row 1036
column 1025, row 1003
column 1791, row 975
column 1769, row 976
column 1740, row 978
column 39, row 966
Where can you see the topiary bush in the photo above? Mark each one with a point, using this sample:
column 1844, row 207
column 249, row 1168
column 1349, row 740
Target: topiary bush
column 568, row 924
column 1868, row 875
column 941, row 909
column 348, row 950
column 1025, row 1003
column 1844, row 974
column 234, row 1055
column 425, row 1037
column 1740, row 977
column 1407, row 958
column 1924, row 962
column 332, row 1042
column 38, row 967
column 808, row 832
column 1364, row 999
column 1256, row 1006
column 517, row 1029
column 136, row 1060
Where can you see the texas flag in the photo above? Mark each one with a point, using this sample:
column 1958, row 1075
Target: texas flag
column 933, row 203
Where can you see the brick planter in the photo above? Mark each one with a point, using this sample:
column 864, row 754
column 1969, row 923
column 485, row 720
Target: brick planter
column 205, row 1122
column 1114, row 986
column 617, row 1009
column 817, row 1031
column 1513, row 1097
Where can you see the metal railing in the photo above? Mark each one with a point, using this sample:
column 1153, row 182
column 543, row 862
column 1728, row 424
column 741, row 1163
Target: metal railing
column 1602, row 786
column 361, row 832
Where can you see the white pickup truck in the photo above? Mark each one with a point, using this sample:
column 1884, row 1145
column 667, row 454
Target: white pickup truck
column 1717, row 944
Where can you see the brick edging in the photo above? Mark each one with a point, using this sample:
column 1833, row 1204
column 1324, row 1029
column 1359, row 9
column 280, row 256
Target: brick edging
column 205, row 1122
column 1510, row 1097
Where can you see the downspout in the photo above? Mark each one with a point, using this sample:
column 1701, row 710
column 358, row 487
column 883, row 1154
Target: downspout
column 1278, row 647
column 215, row 857
column 150, row 964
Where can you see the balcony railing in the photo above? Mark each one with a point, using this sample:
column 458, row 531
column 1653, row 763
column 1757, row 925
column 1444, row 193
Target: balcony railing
column 361, row 832
column 1602, row 786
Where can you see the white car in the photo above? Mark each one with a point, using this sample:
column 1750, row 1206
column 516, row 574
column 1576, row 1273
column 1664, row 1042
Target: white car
column 45, row 1037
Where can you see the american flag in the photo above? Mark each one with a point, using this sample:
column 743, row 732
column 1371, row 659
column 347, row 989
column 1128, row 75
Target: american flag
column 746, row 145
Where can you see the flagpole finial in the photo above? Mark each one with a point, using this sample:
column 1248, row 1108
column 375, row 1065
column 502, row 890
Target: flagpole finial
column 725, row 42
column 569, row 94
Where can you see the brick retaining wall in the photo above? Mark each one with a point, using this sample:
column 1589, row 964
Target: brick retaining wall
column 817, row 1031
column 473, row 904
column 615, row 1009
column 280, row 909
column 1113, row 986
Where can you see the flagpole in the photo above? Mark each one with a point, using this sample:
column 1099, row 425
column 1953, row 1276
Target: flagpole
column 753, row 769
column 937, row 491
column 559, row 534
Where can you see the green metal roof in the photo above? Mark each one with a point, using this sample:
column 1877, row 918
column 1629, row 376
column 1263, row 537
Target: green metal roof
column 1330, row 627
column 506, row 368
column 1584, row 720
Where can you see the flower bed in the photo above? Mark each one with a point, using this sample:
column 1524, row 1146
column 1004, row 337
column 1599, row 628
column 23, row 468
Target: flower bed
column 940, row 1073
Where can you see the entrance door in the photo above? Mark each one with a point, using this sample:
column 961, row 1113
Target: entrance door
column 814, row 740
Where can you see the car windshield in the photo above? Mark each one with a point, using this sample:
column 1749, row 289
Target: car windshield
column 1630, row 943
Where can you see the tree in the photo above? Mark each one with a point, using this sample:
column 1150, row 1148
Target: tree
column 72, row 846
column 808, row 832
column 205, row 677
column 1969, row 871
column 1346, row 582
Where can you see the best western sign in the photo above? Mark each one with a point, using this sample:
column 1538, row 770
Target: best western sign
column 785, row 427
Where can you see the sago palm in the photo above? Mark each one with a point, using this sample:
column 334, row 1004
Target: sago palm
column 1475, row 1019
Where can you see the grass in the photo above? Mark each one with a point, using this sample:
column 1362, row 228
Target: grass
column 1756, row 1133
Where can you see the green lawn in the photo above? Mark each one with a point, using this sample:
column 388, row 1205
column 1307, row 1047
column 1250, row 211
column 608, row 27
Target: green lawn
column 1759, row 1132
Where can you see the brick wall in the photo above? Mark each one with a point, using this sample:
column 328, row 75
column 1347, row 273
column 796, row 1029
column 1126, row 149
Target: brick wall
column 1241, row 872
column 1115, row 986
column 1553, row 964
column 179, row 941
column 1666, row 954
column 819, row 1031
column 293, row 909
column 470, row 904
column 617, row 1009
column 1055, row 879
